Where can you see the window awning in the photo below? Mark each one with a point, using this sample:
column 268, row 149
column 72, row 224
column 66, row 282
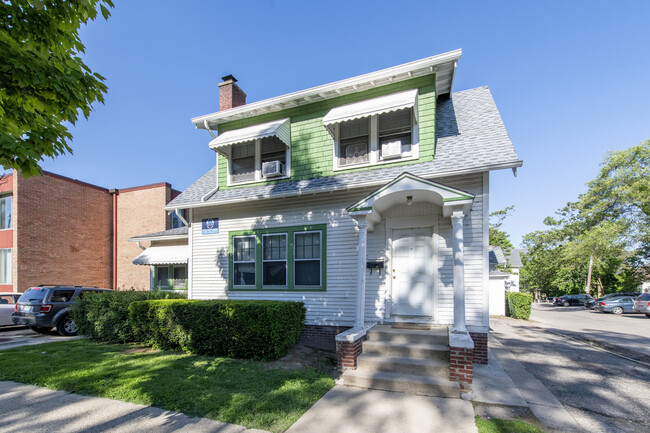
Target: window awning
column 279, row 128
column 370, row 107
column 162, row 255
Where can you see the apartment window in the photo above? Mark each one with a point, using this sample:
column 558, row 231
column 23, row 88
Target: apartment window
column 6, row 266
column 244, row 258
column 171, row 277
column 394, row 130
column 5, row 212
column 261, row 159
column 242, row 163
column 288, row 258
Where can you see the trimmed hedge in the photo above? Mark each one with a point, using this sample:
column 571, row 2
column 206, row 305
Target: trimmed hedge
column 518, row 305
column 237, row 329
column 105, row 315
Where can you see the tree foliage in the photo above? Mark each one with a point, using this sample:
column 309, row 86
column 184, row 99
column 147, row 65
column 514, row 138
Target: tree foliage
column 498, row 237
column 610, row 224
column 44, row 84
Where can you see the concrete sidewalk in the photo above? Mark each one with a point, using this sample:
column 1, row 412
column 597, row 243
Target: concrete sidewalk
column 25, row 408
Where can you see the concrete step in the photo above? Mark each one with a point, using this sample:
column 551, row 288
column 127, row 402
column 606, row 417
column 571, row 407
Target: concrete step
column 400, row 364
column 387, row 333
column 412, row 384
column 407, row 350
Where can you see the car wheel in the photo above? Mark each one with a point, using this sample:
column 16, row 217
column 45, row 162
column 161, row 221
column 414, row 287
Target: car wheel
column 617, row 310
column 565, row 303
column 66, row 327
column 40, row 329
column 647, row 315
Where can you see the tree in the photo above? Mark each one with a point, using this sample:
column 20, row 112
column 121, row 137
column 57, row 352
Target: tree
column 498, row 237
column 44, row 84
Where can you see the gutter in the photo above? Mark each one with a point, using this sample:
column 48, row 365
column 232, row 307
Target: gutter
column 512, row 165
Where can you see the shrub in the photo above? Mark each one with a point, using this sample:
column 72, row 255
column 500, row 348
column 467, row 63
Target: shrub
column 105, row 315
column 237, row 329
column 518, row 305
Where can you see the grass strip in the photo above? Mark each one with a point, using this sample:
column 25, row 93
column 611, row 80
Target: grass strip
column 505, row 426
column 229, row 390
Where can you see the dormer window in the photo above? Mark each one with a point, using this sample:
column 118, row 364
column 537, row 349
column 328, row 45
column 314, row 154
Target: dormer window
column 256, row 153
column 374, row 131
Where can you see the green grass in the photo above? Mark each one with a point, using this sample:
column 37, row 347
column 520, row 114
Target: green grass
column 505, row 426
column 234, row 391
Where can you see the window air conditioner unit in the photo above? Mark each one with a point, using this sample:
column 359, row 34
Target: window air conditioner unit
column 391, row 150
column 272, row 169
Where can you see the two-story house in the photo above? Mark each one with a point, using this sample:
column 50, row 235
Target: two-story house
column 365, row 198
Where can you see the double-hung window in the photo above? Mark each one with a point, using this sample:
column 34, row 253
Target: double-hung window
column 374, row 131
column 5, row 212
column 256, row 153
column 287, row 258
column 6, row 266
column 244, row 258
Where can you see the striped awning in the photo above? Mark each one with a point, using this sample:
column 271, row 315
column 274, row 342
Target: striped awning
column 163, row 255
column 370, row 107
column 279, row 128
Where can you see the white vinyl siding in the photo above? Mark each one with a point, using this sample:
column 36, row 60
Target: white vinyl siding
column 336, row 305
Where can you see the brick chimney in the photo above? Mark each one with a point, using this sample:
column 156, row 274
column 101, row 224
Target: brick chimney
column 230, row 95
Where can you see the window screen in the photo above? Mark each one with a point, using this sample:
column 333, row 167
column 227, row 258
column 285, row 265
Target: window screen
column 354, row 141
column 274, row 259
column 242, row 163
column 244, row 260
column 395, row 127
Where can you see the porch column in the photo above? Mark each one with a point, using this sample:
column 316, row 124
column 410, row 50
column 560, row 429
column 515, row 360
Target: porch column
column 362, row 224
column 457, row 218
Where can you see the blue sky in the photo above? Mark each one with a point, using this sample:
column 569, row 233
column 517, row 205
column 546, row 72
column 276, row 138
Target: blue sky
column 571, row 80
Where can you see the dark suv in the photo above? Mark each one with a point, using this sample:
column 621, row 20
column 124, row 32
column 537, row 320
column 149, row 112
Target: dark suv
column 45, row 307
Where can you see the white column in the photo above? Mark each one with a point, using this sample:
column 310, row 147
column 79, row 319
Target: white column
column 362, row 224
column 459, row 272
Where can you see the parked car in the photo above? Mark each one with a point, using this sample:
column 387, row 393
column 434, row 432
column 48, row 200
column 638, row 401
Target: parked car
column 45, row 307
column 642, row 304
column 616, row 305
column 591, row 303
column 7, row 303
column 567, row 300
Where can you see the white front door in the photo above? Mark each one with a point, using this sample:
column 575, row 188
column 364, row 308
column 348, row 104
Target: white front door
column 412, row 272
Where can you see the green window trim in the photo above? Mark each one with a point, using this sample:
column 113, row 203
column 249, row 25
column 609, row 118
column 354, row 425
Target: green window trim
column 289, row 231
column 170, row 277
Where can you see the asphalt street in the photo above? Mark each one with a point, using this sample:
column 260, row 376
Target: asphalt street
column 628, row 331
column 601, row 391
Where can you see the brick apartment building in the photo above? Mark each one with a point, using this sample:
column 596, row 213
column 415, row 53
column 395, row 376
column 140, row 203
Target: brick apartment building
column 58, row 230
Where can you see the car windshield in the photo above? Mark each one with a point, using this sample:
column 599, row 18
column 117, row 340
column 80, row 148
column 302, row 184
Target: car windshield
column 32, row 295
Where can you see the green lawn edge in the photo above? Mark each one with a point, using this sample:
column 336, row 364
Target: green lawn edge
column 229, row 390
column 505, row 426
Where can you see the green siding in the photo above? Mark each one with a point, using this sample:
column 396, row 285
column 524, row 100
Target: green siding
column 311, row 144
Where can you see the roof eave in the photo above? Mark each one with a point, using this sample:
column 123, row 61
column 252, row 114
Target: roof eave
column 338, row 88
column 502, row 166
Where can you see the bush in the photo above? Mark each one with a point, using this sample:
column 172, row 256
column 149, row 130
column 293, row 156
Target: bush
column 518, row 305
column 237, row 329
column 105, row 315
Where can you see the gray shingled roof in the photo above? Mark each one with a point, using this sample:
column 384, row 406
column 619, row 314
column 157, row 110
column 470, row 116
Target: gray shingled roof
column 514, row 258
column 179, row 231
column 470, row 137
column 496, row 256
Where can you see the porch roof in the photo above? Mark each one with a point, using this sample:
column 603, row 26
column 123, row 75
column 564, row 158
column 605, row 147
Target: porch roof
column 470, row 138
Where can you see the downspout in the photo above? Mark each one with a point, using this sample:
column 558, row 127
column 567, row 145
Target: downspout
column 114, row 192
column 178, row 214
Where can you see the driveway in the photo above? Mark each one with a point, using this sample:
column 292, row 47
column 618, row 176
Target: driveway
column 602, row 392
column 627, row 331
column 14, row 336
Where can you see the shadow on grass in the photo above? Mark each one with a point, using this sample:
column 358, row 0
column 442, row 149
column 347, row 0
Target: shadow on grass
column 235, row 391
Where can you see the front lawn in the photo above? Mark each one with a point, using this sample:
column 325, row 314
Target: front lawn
column 505, row 426
column 235, row 391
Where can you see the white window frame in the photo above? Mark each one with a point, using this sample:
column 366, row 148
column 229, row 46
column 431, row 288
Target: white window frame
column 320, row 258
column 254, row 261
column 11, row 220
column 286, row 260
column 10, row 266
column 374, row 154
column 258, row 165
